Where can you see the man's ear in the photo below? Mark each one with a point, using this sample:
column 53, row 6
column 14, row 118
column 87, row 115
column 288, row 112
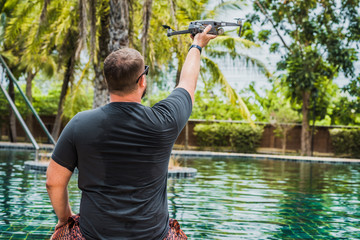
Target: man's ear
column 143, row 81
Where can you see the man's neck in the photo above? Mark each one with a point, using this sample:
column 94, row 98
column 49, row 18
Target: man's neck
column 125, row 98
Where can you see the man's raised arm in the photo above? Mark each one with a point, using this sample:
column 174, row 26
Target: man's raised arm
column 191, row 68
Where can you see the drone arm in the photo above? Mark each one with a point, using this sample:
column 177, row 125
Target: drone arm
column 226, row 24
column 232, row 24
column 178, row 32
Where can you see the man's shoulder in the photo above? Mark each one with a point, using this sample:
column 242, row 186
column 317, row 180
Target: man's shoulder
column 87, row 115
column 89, row 112
column 176, row 94
column 181, row 91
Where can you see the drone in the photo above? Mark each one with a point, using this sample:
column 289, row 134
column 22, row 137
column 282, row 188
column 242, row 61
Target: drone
column 199, row 26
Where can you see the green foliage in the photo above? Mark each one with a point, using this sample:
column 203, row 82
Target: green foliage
column 240, row 137
column 263, row 35
column 247, row 32
column 210, row 106
column 274, row 48
column 244, row 138
column 282, row 116
column 317, row 43
column 346, row 141
column 155, row 98
column 78, row 102
column 274, row 105
column 46, row 104
column 213, row 135
column 353, row 88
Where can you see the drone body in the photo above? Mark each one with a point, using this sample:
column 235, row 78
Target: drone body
column 196, row 27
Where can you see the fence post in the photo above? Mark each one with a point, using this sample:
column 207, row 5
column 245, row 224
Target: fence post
column 187, row 135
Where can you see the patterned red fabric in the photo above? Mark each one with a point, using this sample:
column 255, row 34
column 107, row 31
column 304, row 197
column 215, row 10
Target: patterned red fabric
column 71, row 230
column 175, row 233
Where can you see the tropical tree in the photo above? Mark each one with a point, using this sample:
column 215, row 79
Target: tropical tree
column 113, row 35
column 45, row 32
column 101, row 17
column 68, row 38
column 161, row 48
column 58, row 35
column 6, row 12
column 319, row 44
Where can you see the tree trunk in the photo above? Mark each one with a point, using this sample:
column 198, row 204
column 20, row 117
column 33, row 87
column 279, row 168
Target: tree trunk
column 101, row 96
column 44, row 11
column 29, row 118
column 305, row 133
column 67, row 76
column 284, row 140
column 147, row 11
column 119, row 25
column 178, row 72
column 180, row 45
column 12, row 117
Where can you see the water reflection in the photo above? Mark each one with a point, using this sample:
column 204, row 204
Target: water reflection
column 267, row 200
column 229, row 199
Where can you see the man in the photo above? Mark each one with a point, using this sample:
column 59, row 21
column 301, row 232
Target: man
column 122, row 152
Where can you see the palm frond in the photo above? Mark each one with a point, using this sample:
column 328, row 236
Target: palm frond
column 234, row 98
column 77, row 90
column 231, row 41
column 20, row 18
column 241, row 57
column 224, row 6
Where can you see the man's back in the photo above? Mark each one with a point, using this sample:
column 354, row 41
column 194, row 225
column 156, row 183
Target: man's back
column 122, row 152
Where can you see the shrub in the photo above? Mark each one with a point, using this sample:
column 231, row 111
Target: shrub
column 212, row 135
column 240, row 137
column 245, row 138
column 346, row 141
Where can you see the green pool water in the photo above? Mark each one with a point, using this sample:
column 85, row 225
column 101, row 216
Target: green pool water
column 229, row 199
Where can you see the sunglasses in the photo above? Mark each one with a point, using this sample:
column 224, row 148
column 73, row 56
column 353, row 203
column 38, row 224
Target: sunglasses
column 145, row 72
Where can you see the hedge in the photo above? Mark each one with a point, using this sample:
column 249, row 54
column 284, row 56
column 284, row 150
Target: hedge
column 240, row 137
column 346, row 141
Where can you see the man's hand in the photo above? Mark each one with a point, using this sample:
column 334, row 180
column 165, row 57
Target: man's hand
column 60, row 224
column 202, row 39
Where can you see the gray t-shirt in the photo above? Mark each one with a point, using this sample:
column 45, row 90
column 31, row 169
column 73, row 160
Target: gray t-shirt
column 122, row 153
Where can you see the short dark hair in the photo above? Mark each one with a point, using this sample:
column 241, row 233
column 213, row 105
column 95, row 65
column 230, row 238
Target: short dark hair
column 121, row 69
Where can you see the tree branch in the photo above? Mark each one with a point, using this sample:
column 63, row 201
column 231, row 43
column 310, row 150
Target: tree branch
column 272, row 23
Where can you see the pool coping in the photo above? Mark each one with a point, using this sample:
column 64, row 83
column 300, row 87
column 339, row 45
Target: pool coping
column 25, row 146
column 186, row 153
column 192, row 153
column 184, row 172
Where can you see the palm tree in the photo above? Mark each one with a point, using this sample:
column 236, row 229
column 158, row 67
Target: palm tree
column 114, row 34
column 70, row 36
column 119, row 24
column 59, row 34
column 161, row 49
column 100, row 89
column 24, row 47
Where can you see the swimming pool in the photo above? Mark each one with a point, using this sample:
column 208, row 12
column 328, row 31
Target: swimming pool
column 229, row 199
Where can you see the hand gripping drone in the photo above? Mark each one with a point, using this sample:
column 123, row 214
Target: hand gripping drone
column 199, row 26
